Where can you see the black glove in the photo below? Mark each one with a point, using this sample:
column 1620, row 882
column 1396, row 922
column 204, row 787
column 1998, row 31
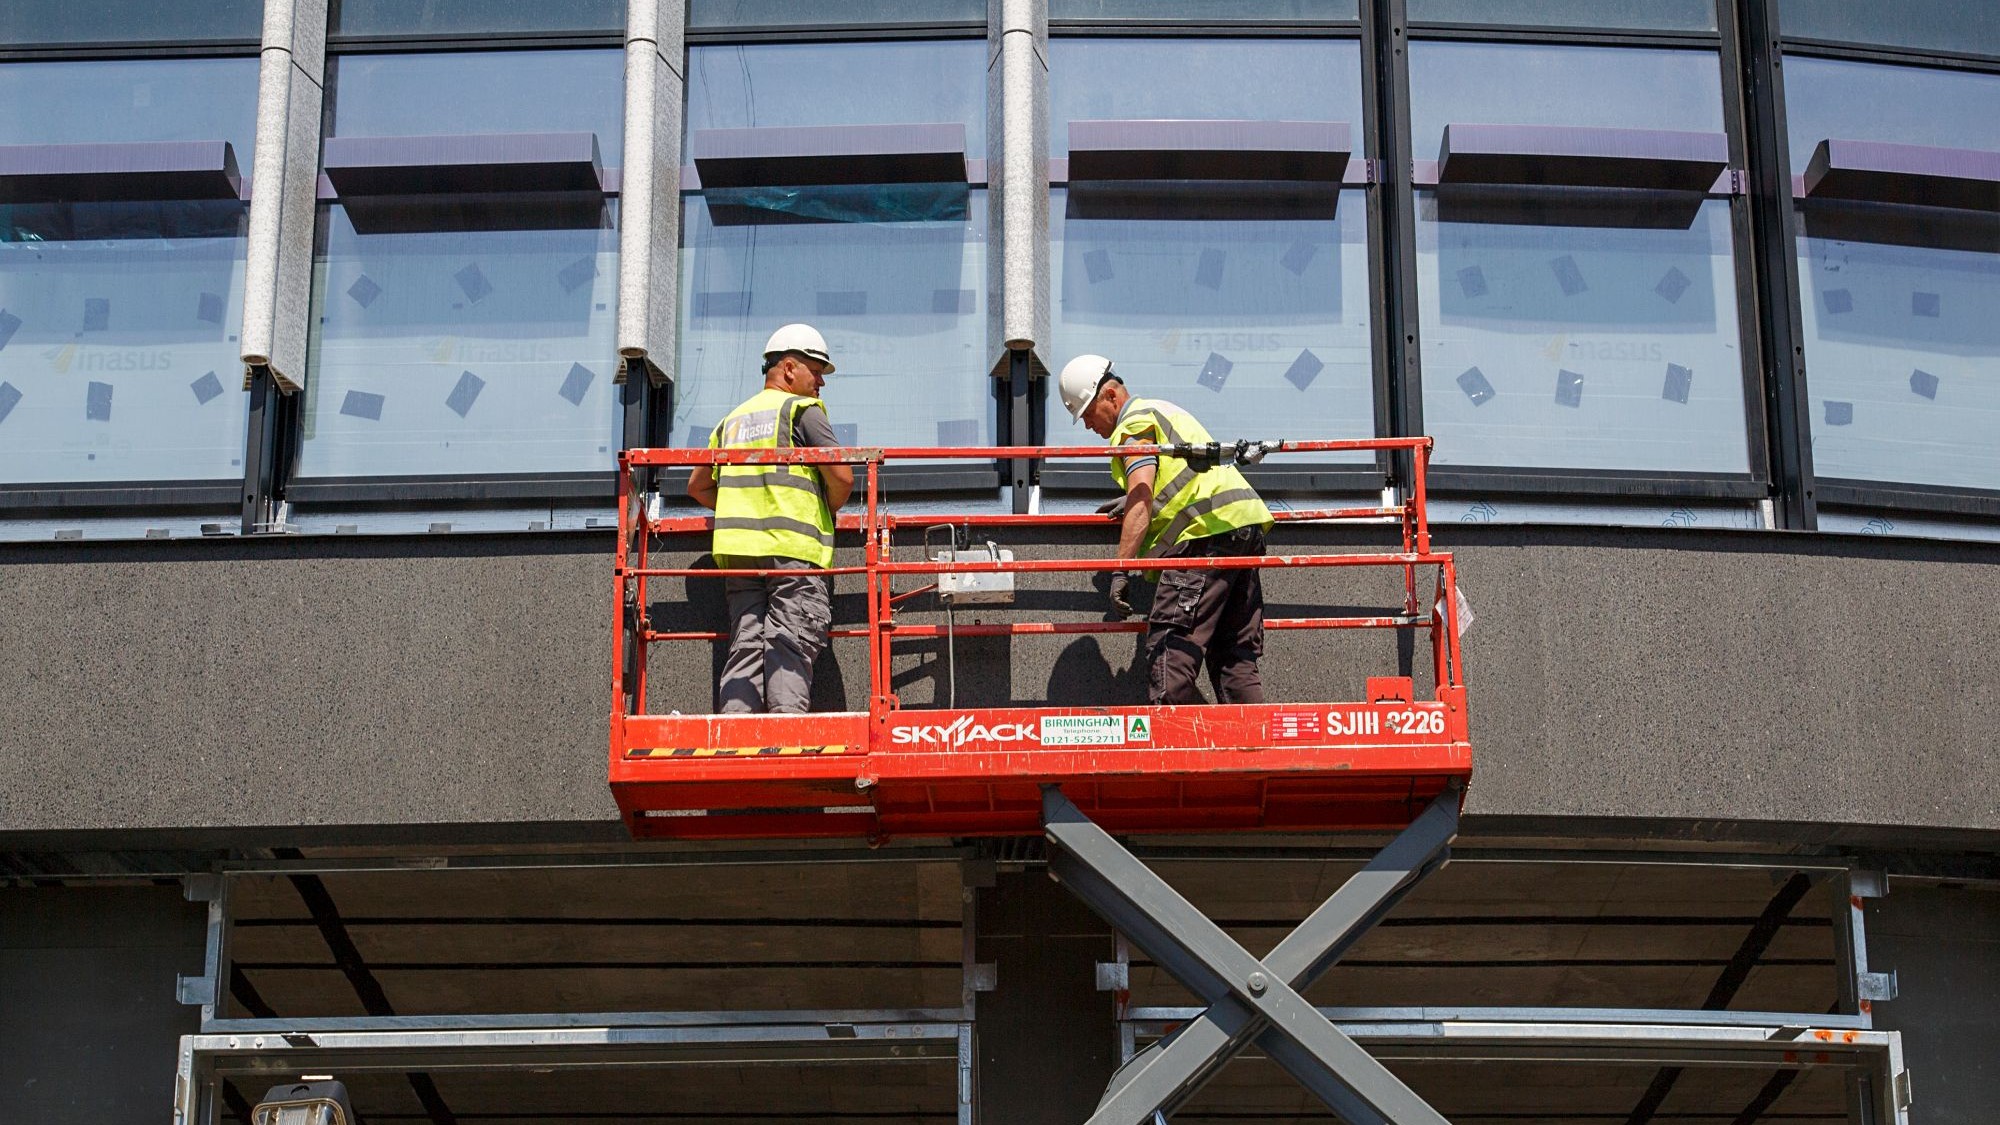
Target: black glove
column 1113, row 508
column 1121, row 604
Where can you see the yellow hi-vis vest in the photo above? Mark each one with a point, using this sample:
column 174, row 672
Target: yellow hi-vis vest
column 1188, row 503
column 769, row 510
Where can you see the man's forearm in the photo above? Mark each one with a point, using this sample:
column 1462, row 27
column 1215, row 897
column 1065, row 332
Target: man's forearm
column 1138, row 513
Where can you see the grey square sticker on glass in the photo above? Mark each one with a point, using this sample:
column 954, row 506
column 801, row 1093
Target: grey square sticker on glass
column 1097, row 265
column 1837, row 301
column 841, row 302
column 1208, row 270
column 464, row 393
column 1304, row 370
column 362, row 404
column 1472, row 281
column 577, row 274
column 847, row 433
column 1569, row 389
column 1215, row 372
column 472, row 281
column 1924, row 383
column 206, row 389
column 951, row 302
column 1839, row 413
column 96, row 314
column 9, row 324
column 1298, row 256
column 364, row 290
column 1925, row 304
column 1680, row 381
column 1474, row 383
column 208, row 308
column 1672, row 284
column 697, row 436
column 9, row 398
column 1568, row 276
column 577, row 383
column 957, row 431
column 97, row 402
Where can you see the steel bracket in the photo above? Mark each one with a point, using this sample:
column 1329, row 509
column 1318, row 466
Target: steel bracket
column 1876, row 986
column 1249, row 1001
column 195, row 990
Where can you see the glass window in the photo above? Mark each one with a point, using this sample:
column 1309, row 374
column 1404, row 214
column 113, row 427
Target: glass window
column 473, row 17
column 708, row 14
column 905, row 82
column 1901, row 305
column 1246, row 304
column 893, row 275
column 466, row 334
column 119, row 320
column 36, row 23
column 1203, row 11
column 1565, row 328
column 1638, row 15
column 427, row 94
column 1929, row 25
column 1093, row 78
column 131, row 100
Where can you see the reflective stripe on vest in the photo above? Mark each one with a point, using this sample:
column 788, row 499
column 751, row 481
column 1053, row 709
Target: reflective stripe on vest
column 776, row 511
column 1188, row 503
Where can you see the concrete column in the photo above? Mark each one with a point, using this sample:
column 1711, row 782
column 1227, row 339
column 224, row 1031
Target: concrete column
column 649, row 208
column 1047, row 1038
column 1017, row 147
column 277, row 283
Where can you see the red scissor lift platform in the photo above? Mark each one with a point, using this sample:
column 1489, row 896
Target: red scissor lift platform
column 1372, row 763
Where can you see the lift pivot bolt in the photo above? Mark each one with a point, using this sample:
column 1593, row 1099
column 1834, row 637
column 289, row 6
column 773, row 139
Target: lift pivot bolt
column 1257, row 983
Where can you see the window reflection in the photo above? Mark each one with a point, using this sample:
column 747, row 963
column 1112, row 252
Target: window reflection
column 1901, row 305
column 462, row 351
column 429, row 94
column 1574, row 328
column 50, row 103
column 893, row 278
column 893, row 83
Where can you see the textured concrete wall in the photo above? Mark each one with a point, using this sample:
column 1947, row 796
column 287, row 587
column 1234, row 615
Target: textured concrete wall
column 90, row 1025
column 458, row 685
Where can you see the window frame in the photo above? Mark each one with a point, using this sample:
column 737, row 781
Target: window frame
column 1874, row 496
column 1555, row 482
column 33, row 499
column 1289, row 475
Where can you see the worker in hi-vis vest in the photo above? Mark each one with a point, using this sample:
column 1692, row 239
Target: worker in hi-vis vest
column 1177, row 509
column 776, row 517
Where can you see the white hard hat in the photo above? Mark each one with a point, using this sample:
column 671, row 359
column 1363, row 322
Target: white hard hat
column 1079, row 381
column 801, row 338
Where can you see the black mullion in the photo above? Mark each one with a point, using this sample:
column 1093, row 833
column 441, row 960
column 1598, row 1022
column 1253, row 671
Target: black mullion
column 851, row 33
column 1780, row 328
column 1742, row 243
column 1098, row 29
column 1894, row 56
column 396, row 44
column 1928, row 499
column 1393, row 236
column 1535, row 33
column 89, row 52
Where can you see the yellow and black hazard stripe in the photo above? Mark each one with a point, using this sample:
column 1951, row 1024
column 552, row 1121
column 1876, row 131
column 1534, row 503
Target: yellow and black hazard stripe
column 734, row 751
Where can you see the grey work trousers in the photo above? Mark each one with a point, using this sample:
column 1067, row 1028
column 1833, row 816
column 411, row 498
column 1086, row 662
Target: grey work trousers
column 777, row 627
column 1212, row 617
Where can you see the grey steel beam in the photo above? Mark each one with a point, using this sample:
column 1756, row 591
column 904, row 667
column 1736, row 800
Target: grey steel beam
column 1196, row 951
column 649, row 206
column 1196, row 1051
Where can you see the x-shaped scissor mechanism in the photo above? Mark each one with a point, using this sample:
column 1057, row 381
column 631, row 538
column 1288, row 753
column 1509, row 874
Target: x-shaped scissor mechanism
column 1248, row 1000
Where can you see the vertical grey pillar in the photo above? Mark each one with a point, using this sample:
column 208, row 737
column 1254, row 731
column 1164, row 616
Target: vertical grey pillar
column 1047, row 1037
column 649, row 212
column 277, row 274
column 1017, row 146
column 1017, row 263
